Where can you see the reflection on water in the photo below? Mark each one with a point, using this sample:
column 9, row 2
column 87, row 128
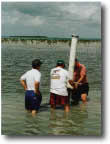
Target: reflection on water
column 82, row 120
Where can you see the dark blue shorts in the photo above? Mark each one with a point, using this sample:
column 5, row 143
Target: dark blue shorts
column 32, row 100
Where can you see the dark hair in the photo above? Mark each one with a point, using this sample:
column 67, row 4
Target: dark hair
column 76, row 59
column 60, row 63
column 36, row 63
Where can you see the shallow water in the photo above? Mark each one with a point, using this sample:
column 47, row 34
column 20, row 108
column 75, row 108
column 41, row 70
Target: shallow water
column 82, row 120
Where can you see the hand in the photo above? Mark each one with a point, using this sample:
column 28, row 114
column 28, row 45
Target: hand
column 36, row 92
column 76, row 85
column 71, row 82
column 25, row 89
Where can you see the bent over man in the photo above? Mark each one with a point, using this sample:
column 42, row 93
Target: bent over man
column 31, row 81
column 80, row 83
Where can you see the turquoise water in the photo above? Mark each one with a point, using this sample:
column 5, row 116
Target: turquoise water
column 82, row 120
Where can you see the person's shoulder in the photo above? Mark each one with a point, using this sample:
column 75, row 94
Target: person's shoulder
column 36, row 71
column 53, row 68
column 27, row 72
column 65, row 71
column 82, row 65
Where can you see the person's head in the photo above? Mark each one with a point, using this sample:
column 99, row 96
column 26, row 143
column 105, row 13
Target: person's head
column 60, row 63
column 76, row 63
column 36, row 64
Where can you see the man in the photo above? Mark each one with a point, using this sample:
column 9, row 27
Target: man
column 58, row 89
column 31, row 81
column 80, row 83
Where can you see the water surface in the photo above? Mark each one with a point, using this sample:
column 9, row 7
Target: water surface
column 80, row 121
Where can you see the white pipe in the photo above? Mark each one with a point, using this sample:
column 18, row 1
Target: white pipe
column 72, row 58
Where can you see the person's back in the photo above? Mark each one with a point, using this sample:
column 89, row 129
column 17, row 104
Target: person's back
column 58, row 89
column 31, row 81
column 59, row 77
column 31, row 76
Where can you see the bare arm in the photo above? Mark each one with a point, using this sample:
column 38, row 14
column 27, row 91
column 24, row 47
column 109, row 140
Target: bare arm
column 37, row 87
column 75, row 84
column 23, row 83
column 71, row 82
column 82, row 75
column 81, row 78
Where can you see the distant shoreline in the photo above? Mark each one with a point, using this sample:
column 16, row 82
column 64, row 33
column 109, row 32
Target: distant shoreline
column 44, row 42
column 44, row 38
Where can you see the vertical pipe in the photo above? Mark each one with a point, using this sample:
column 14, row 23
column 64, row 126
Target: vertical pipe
column 72, row 58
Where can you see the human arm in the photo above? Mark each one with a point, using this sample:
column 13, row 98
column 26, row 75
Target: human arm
column 78, row 78
column 71, row 82
column 82, row 75
column 78, row 82
column 37, row 78
column 23, row 83
column 36, row 87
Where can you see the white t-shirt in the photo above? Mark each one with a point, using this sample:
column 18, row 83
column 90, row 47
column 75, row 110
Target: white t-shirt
column 31, row 77
column 59, row 78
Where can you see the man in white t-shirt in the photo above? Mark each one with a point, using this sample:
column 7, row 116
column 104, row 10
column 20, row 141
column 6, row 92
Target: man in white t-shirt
column 31, row 81
column 58, row 87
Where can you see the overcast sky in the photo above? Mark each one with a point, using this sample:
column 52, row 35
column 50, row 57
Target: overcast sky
column 53, row 19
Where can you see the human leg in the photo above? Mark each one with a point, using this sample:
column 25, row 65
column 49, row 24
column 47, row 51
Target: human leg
column 75, row 96
column 34, row 112
column 53, row 100
column 65, row 103
column 39, row 100
column 84, row 92
column 35, row 103
column 53, row 106
column 84, row 97
column 28, row 101
column 67, row 108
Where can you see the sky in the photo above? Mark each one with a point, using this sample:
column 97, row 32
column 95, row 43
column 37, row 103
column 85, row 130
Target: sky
column 52, row 19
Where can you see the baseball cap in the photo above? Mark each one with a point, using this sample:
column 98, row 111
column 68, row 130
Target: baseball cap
column 60, row 62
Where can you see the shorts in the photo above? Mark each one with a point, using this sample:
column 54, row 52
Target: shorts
column 32, row 100
column 82, row 89
column 58, row 99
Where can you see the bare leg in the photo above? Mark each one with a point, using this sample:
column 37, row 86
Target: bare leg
column 53, row 106
column 52, row 114
column 67, row 108
column 84, row 98
column 33, row 112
